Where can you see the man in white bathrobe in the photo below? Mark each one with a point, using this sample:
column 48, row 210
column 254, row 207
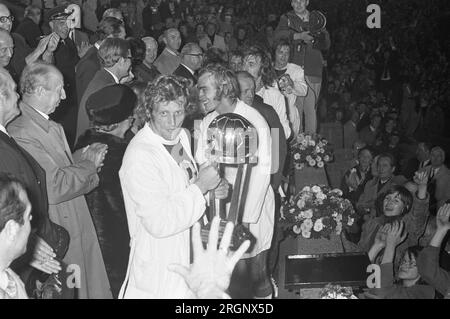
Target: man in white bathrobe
column 163, row 193
column 219, row 92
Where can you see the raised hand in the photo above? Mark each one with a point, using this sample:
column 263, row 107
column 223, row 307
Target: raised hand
column 442, row 218
column 380, row 237
column 394, row 236
column 53, row 42
column 421, row 178
column 209, row 276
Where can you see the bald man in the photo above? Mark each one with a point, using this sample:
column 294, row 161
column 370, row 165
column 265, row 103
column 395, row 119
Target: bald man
column 191, row 62
column 169, row 60
column 146, row 71
column 21, row 53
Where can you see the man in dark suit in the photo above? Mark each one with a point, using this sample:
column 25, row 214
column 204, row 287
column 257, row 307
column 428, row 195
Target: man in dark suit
column 65, row 59
column 16, row 161
column 29, row 27
column 420, row 161
column 89, row 64
column 279, row 149
column 369, row 133
column 115, row 59
column 191, row 62
column 169, row 59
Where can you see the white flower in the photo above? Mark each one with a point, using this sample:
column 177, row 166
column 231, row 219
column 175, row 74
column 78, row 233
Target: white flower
column 319, row 159
column 337, row 191
column 308, row 214
column 350, row 221
column 307, row 138
column 321, row 196
column 297, row 156
column 304, row 143
column 326, row 158
column 308, row 224
column 312, row 163
column 338, row 218
column 306, row 234
column 318, row 225
column 299, row 166
column 308, row 158
column 297, row 229
column 312, row 143
column 301, row 203
column 292, row 210
column 320, row 144
column 302, row 148
column 320, row 164
column 316, row 189
column 306, row 189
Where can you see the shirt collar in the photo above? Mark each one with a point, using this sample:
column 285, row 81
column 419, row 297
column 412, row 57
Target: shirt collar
column 188, row 68
column 97, row 45
column 116, row 79
column 3, row 129
column 171, row 52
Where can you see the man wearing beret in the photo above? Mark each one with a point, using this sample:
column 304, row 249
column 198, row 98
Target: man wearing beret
column 66, row 57
column 110, row 111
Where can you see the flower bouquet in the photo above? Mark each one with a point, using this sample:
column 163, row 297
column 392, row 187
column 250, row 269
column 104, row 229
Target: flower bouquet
column 337, row 292
column 311, row 150
column 318, row 212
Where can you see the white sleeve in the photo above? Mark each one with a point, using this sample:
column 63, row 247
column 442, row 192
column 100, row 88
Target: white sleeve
column 163, row 211
column 260, row 177
column 300, row 86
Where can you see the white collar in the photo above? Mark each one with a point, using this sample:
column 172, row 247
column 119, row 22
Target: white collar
column 189, row 69
column 97, row 45
column 116, row 79
column 3, row 129
column 171, row 52
column 45, row 116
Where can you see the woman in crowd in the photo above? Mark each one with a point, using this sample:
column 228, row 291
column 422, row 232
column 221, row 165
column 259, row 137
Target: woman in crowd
column 164, row 194
column 410, row 285
column 111, row 112
column 398, row 204
column 428, row 261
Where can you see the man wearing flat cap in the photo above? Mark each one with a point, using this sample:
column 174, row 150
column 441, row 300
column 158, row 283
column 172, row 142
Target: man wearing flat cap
column 110, row 111
column 65, row 59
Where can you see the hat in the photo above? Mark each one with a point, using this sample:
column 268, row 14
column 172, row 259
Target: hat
column 58, row 13
column 111, row 105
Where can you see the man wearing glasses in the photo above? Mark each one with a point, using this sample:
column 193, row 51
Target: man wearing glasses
column 115, row 60
column 191, row 62
column 15, row 52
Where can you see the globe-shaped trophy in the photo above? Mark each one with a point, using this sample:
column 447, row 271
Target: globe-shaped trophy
column 232, row 141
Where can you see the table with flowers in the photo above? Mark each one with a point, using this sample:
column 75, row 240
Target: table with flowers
column 313, row 218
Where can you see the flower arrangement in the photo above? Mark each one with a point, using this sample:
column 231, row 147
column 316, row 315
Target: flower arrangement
column 311, row 150
column 337, row 292
column 317, row 212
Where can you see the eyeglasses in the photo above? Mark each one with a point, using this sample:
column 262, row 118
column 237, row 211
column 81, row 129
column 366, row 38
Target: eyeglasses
column 5, row 19
column 200, row 55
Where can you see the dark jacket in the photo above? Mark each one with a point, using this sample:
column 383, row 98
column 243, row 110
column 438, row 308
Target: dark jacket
column 428, row 265
column 30, row 31
column 108, row 210
column 16, row 161
column 101, row 79
column 145, row 74
column 85, row 70
column 279, row 146
column 185, row 73
column 66, row 57
column 21, row 51
column 309, row 56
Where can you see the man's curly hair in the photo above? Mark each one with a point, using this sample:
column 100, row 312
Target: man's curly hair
column 164, row 89
column 268, row 75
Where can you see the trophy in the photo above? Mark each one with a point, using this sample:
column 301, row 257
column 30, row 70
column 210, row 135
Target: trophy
column 232, row 141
